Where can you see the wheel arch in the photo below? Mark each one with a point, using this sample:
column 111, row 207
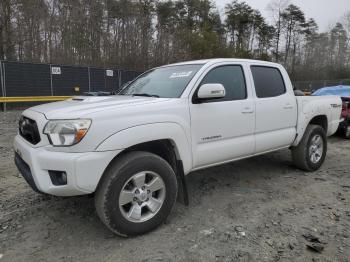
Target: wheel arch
column 167, row 140
column 320, row 120
column 164, row 148
column 157, row 138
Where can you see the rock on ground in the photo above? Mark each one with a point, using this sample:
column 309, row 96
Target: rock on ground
column 252, row 210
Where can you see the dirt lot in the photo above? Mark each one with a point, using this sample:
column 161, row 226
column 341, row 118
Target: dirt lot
column 252, row 210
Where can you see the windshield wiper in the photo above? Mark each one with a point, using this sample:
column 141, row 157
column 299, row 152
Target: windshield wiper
column 145, row 94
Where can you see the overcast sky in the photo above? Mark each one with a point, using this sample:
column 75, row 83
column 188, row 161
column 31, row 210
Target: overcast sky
column 325, row 12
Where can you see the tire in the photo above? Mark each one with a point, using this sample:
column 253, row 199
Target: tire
column 301, row 154
column 141, row 215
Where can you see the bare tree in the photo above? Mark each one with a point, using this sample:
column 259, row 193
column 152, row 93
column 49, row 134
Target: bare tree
column 276, row 9
column 139, row 34
column 6, row 30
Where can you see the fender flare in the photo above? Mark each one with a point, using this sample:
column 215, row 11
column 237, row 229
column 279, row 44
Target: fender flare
column 149, row 132
column 304, row 121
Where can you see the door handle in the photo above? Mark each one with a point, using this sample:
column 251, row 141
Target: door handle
column 288, row 106
column 247, row 110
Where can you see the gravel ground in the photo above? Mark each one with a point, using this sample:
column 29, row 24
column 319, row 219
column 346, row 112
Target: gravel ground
column 260, row 209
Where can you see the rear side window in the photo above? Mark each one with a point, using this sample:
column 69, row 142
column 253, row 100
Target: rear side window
column 268, row 81
column 232, row 78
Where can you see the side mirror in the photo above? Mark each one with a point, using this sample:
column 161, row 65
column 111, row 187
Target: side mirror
column 298, row 92
column 211, row 91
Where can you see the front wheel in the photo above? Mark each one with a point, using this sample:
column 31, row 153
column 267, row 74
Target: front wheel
column 311, row 151
column 136, row 194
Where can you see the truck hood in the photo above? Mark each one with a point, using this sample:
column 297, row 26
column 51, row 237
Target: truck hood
column 79, row 106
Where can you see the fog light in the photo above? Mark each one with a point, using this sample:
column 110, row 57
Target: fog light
column 58, row 178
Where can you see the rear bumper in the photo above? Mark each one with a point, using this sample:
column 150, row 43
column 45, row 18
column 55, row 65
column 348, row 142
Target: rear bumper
column 83, row 170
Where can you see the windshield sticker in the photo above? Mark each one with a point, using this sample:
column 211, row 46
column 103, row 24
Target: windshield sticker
column 180, row 74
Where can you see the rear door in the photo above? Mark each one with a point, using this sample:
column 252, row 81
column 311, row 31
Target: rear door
column 276, row 109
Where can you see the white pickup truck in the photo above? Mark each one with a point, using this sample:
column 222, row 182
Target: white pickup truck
column 134, row 149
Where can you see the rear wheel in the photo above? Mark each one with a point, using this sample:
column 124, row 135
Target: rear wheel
column 136, row 194
column 311, row 151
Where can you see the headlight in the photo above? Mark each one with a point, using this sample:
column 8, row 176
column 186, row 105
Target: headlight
column 66, row 132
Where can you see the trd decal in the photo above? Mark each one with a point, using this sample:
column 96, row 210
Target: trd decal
column 211, row 137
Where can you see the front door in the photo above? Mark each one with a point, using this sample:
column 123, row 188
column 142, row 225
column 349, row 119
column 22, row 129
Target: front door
column 223, row 129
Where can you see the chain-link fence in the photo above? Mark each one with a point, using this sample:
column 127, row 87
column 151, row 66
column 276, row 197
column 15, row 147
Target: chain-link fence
column 311, row 86
column 29, row 79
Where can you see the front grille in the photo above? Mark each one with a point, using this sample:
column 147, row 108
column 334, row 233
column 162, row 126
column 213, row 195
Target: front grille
column 28, row 129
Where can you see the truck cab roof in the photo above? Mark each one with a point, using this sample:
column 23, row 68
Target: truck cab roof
column 221, row 60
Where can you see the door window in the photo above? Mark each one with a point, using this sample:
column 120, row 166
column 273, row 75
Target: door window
column 232, row 78
column 268, row 81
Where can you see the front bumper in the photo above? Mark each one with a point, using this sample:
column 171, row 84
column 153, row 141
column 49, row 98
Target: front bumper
column 24, row 169
column 83, row 170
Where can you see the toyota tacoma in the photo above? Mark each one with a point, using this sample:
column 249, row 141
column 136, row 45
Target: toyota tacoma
column 132, row 151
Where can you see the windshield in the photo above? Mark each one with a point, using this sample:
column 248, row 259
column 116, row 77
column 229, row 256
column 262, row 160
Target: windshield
column 167, row 82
